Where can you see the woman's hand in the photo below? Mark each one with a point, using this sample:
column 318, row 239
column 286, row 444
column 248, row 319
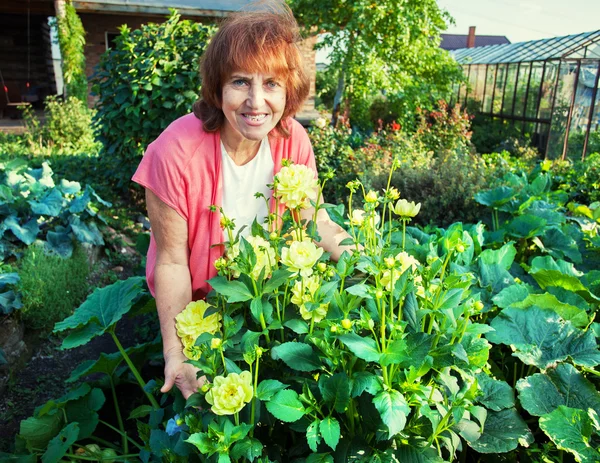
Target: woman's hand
column 183, row 375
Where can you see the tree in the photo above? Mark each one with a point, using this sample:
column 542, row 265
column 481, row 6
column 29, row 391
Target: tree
column 388, row 47
column 71, row 39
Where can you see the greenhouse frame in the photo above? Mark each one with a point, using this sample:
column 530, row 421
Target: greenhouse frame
column 547, row 88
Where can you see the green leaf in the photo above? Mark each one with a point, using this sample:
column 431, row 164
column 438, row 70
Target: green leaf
column 395, row 353
column 361, row 290
column 26, row 233
column 278, row 277
column 59, row 243
column 503, row 432
column 526, row 226
column 38, row 431
column 364, row 381
column 496, row 197
column 363, row 348
column 542, row 393
column 234, row 291
column 330, row 430
column 14, row 458
column 60, row 444
column 100, row 311
column 297, row 355
column 510, row 295
column 336, row 391
column 50, row 204
column 393, row 409
column 286, row 406
column 578, row 317
column 249, row 448
column 541, row 338
column 504, row 256
column 549, row 272
column 203, row 442
column 140, row 412
column 86, row 232
column 571, row 429
column 268, row 388
column 297, row 326
column 560, row 245
column 312, row 435
column 410, row 454
column 319, row 458
column 496, row 395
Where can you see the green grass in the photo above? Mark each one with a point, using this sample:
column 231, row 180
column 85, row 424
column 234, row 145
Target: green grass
column 51, row 287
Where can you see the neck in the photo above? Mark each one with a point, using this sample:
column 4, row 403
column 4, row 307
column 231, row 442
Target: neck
column 241, row 150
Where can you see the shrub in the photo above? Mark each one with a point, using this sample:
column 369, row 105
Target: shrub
column 67, row 128
column 71, row 38
column 445, row 186
column 580, row 178
column 444, row 128
column 51, row 286
column 146, row 81
column 489, row 135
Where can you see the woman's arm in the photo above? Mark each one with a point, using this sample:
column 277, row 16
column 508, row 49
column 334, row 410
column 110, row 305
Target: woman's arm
column 173, row 289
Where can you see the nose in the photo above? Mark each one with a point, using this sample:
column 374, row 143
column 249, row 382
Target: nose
column 256, row 96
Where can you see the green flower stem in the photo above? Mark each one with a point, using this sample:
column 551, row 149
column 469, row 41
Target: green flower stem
column 236, row 417
column 312, row 325
column 134, row 370
column 223, row 359
column 104, row 442
column 119, row 417
column 255, row 387
column 110, row 426
column 263, row 325
column 403, row 233
column 278, row 309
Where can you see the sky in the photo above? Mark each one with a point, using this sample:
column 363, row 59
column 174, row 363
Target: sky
column 519, row 20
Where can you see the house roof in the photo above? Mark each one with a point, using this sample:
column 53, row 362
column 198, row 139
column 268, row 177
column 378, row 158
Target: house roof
column 577, row 46
column 161, row 7
column 456, row 41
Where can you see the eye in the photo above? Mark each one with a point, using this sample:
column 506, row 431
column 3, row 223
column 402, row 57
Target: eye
column 239, row 82
column 273, row 84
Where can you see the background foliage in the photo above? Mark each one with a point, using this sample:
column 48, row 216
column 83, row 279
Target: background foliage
column 71, row 38
column 146, row 81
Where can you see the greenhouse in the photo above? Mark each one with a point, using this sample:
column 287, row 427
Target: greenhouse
column 547, row 88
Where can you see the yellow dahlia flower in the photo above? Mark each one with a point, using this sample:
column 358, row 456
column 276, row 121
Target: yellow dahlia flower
column 191, row 322
column 296, row 186
column 229, row 394
column 404, row 208
column 301, row 257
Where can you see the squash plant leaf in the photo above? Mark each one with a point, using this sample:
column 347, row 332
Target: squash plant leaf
column 496, row 395
column 503, row 432
column 541, row 337
column 571, row 429
column 542, row 393
column 58, row 446
column 100, row 311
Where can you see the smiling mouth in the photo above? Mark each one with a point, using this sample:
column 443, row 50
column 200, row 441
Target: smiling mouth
column 255, row 117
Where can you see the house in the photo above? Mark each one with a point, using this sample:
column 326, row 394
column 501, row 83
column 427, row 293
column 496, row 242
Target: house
column 25, row 58
column 456, row 41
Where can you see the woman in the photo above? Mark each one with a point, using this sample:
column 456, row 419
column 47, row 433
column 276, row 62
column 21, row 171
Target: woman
column 227, row 150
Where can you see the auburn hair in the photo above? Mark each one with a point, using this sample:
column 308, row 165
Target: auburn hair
column 253, row 41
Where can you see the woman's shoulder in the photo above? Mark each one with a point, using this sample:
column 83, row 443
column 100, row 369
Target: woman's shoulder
column 183, row 138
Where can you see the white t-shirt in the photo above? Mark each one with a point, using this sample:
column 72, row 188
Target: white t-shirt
column 240, row 183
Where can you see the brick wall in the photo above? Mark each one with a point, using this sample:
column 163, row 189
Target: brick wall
column 96, row 26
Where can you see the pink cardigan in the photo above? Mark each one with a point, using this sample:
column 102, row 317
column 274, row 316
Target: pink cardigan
column 183, row 168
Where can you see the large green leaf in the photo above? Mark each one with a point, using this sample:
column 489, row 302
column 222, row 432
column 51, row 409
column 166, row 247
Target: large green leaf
column 363, row 348
column 286, row 406
column 503, row 432
column 560, row 245
column 297, row 355
column 59, row 445
column 549, row 272
column 393, row 409
column 100, row 311
column 541, row 338
column 409, row 454
column 268, row 388
column 336, row 391
column 312, row 435
column 526, row 226
column 495, row 395
column 59, row 243
column 578, row 317
column 496, row 197
column 571, row 429
column 27, row 233
column 542, row 393
column 510, row 295
column 50, row 204
column 38, row 431
column 86, row 232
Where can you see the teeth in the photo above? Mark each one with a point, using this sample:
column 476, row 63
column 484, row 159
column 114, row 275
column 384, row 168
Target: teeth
column 256, row 118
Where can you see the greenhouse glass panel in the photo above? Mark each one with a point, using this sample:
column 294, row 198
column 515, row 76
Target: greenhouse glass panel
column 473, row 74
column 499, row 89
column 521, row 91
column 509, row 89
column 594, row 140
column 547, row 96
column 489, row 89
column 581, row 109
column 534, row 89
column 480, row 83
column 560, row 115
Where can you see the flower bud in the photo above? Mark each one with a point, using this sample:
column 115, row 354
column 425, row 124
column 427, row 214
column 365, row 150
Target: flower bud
column 389, row 261
column 346, row 323
column 371, row 197
column 379, row 294
column 333, row 328
column 205, row 387
column 330, row 273
column 321, row 267
column 179, row 421
column 259, row 351
column 478, row 306
column 460, row 248
column 518, row 280
column 215, row 343
column 273, row 235
column 371, row 324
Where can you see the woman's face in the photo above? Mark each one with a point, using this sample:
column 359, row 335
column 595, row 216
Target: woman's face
column 253, row 104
